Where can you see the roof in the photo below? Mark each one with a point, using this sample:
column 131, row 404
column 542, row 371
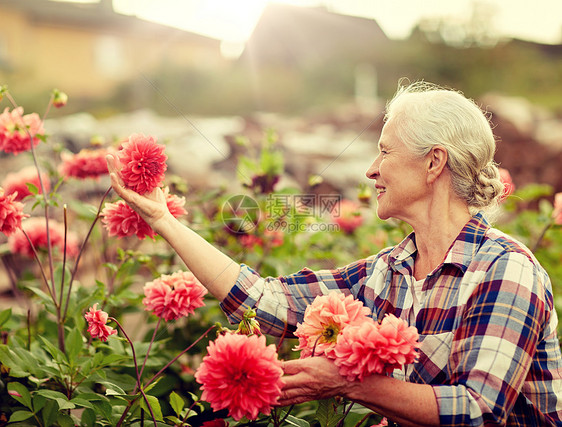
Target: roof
column 99, row 15
column 292, row 34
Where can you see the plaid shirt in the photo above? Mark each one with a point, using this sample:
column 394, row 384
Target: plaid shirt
column 487, row 322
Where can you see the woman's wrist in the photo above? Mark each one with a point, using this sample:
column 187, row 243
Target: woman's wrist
column 165, row 225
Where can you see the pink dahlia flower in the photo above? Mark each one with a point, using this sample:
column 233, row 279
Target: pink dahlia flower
column 13, row 135
column 373, row 348
column 11, row 213
column 557, row 213
column 144, row 163
column 173, row 296
column 37, row 232
column 324, row 320
column 508, row 185
column 241, row 373
column 85, row 164
column 121, row 221
column 16, row 182
column 347, row 215
column 250, row 240
column 97, row 323
column 175, row 203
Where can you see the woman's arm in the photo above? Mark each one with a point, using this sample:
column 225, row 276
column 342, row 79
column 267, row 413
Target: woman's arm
column 214, row 269
column 314, row 378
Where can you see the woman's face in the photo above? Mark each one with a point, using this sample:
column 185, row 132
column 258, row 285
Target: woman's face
column 400, row 178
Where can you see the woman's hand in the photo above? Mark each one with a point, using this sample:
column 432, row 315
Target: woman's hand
column 151, row 207
column 312, row 378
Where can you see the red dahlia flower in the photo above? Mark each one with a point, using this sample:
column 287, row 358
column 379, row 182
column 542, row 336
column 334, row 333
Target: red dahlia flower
column 508, row 185
column 175, row 203
column 173, row 296
column 557, row 212
column 17, row 182
column 241, row 373
column 121, row 221
column 97, row 326
column 144, row 163
column 85, row 164
column 13, row 135
column 347, row 215
column 11, row 213
column 37, row 232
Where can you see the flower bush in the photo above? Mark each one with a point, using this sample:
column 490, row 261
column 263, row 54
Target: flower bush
column 109, row 329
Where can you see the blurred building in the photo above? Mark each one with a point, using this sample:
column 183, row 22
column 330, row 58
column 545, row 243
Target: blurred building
column 88, row 49
column 328, row 56
column 307, row 36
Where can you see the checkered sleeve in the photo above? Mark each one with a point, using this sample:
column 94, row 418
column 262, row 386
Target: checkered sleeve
column 493, row 348
column 280, row 302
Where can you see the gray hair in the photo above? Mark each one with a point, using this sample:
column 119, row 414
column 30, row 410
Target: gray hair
column 426, row 115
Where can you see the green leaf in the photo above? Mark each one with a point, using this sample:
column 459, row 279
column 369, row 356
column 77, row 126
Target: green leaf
column 175, row 420
column 112, row 389
column 154, row 404
column 294, row 421
column 152, row 384
column 32, row 188
column 89, row 418
column 84, row 210
column 57, row 355
column 176, row 402
column 112, row 359
column 57, row 396
column 82, row 403
column 50, row 412
column 5, row 315
column 44, row 296
column 65, row 420
column 20, row 361
column 90, row 397
column 74, row 344
column 20, row 416
column 103, row 408
column 38, row 403
column 25, row 398
column 327, row 414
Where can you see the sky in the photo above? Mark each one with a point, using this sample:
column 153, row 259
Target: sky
column 234, row 20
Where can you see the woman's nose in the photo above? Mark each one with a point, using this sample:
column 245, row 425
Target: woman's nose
column 373, row 170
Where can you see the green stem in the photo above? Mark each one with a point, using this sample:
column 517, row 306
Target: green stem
column 346, row 413
column 178, row 356
column 52, row 291
column 362, row 420
column 132, row 348
column 286, row 415
column 149, row 407
column 150, row 347
column 75, row 269
column 541, row 237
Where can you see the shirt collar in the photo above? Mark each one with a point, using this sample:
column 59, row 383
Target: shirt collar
column 461, row 253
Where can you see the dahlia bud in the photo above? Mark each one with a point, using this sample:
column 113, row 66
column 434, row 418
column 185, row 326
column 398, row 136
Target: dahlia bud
column 3, row 90
column 365, row 193
column 59, row 98
column 97, row 141
column 249, row 325
column 315, row 180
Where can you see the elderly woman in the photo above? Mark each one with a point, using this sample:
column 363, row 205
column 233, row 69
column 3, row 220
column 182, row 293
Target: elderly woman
column 479, row 299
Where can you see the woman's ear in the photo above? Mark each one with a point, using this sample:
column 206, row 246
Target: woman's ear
column 437, row 160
